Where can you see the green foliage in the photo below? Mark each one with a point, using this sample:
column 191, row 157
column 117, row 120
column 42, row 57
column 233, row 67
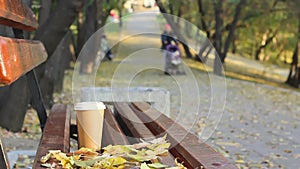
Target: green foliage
column 258, row 19
column 234, row 1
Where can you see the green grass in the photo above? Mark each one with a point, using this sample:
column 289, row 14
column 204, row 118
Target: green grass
column 240, row 73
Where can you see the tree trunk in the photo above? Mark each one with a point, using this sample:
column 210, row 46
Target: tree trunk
column 81, row 33
column 120, row 15
column 218, row 26
column 44, row 12
column 87, row 62
column 179, row 14
column 176, row 31
column 294, row 75
column 27, row 33
column 6, row 31
column 171, row 9
column 280, row 53
column 27, row 2
column 232, row 28
column 218, row 36
column 100, row 17
column 57, row 25
column 102, row 13
column 14, row 101
column 264, row 43
column 66, row 51
column 204, row 46
column 203, row 14
column 56, row 66
column 234, row 44
column 51, row 33
column 218, row 8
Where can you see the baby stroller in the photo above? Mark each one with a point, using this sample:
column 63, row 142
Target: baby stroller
column 172, row 60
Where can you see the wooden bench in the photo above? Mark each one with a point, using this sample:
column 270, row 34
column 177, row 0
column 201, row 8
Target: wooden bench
column 126, row 124
column 19, row 57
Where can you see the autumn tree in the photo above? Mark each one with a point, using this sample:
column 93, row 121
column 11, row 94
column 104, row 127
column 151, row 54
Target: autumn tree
column 92, row 18
column 218, row 36
column 294, row 75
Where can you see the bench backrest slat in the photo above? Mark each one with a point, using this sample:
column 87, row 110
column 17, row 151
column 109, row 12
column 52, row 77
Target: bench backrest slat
column 18, row 56
column 16, row 14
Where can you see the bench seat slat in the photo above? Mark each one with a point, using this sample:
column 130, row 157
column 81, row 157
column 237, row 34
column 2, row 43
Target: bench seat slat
column 194, row 152
column 56, row 135
column 137, row 128
column 138, row 120
column 16, row 14
column 112, row 133
column 19, row 56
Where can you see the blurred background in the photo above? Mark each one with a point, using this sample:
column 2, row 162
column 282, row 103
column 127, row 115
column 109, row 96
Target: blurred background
column 251, row 47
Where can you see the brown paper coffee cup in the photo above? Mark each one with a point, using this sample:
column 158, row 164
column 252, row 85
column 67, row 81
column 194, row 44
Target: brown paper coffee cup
column 90, row 116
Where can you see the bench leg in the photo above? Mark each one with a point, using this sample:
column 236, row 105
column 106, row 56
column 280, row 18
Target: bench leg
column 37, row 101
column 3, row 159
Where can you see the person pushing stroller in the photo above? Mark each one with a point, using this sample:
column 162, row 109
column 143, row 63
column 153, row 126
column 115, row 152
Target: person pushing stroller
column 167, row 37
column 171, row 52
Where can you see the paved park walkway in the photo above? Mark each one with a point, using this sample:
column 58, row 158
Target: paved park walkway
column 260, row 126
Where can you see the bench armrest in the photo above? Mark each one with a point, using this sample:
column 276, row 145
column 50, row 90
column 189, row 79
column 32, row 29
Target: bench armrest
column 56, row 135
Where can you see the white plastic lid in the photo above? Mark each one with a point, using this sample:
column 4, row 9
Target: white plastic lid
column 89, row 106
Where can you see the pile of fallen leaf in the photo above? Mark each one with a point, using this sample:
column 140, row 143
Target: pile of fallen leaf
column 144, row 155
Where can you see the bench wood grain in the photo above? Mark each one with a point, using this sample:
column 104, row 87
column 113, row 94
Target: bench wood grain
column 19, row 56
column 137, row 128
column 136, row 120
column 112, row 133
column 187, row 147
column 56, row 135
column 15, row 13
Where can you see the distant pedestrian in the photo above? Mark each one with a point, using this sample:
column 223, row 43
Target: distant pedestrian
column 114, row 18
column 167, row 37
column 105, row 50
column 171, row 53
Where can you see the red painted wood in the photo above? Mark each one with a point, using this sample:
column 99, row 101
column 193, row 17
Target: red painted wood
column 17, row 57
column 187, row 146
column 15, row 13
column 56, row 135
